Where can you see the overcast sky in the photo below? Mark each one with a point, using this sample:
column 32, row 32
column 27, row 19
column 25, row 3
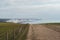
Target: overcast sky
column 45, row 9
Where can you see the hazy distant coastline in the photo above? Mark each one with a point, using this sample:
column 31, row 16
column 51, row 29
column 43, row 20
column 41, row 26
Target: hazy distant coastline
column 30, row 21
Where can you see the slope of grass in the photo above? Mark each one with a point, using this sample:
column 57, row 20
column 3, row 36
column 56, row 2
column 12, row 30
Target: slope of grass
column 13, row 30
column 53, row 26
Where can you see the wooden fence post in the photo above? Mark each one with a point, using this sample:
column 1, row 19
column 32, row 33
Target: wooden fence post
column 7, row 35
column 13, row 34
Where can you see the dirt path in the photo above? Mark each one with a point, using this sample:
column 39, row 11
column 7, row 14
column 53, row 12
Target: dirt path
column 40, row 32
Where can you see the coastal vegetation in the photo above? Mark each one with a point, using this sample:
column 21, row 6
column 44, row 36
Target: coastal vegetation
column 13, row 31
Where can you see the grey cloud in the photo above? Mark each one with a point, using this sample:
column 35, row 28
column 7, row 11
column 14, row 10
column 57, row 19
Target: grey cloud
column 7, row 3
column 29, row 8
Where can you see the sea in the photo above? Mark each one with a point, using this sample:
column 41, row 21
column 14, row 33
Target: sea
column 40, row 21
column 31, row 21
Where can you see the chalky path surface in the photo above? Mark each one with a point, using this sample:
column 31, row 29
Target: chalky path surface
column 40, row 32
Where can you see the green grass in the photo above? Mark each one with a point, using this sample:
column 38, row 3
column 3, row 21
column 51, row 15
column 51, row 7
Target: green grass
column 11, row 29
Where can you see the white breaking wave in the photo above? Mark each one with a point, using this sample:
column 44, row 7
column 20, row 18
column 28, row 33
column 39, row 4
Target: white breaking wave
column 23, row 21
column 13, row 21
column 33, row 21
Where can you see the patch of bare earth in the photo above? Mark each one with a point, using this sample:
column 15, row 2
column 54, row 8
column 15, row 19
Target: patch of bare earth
column 42, row 32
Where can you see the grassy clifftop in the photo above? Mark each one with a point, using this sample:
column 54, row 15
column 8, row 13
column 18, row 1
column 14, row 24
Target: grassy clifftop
column 53, row 26
column 13, row 31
